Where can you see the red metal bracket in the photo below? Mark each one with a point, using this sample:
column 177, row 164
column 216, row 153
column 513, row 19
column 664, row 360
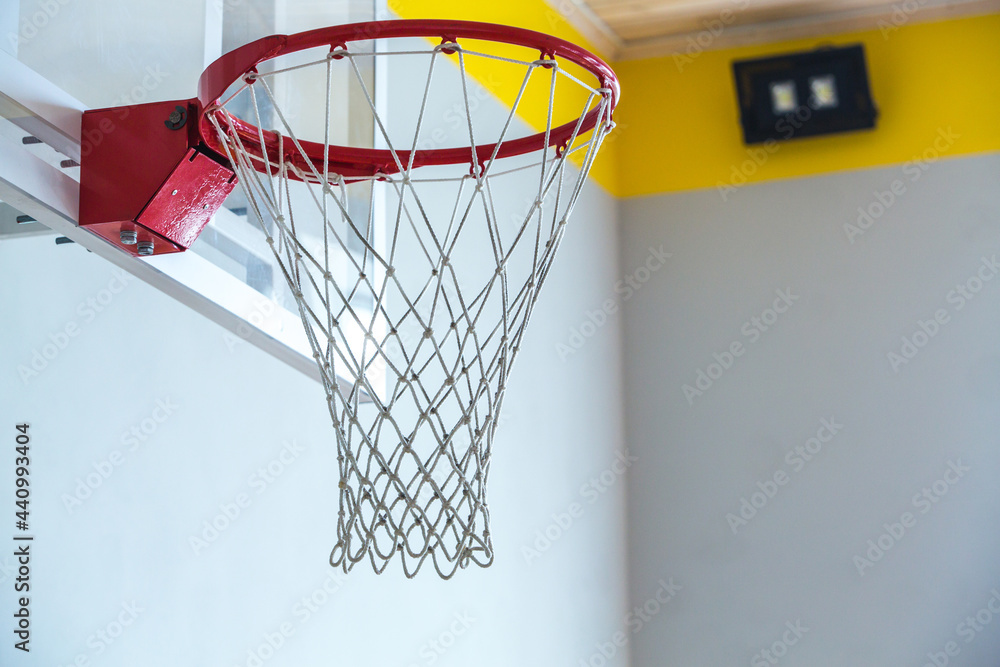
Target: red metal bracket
column 145, row 170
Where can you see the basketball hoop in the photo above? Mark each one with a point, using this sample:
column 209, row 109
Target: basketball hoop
column 426, row 315
column 433, row 348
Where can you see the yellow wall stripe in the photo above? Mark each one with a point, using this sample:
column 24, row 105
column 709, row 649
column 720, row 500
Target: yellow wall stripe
column 680, row 123
column 533, row 15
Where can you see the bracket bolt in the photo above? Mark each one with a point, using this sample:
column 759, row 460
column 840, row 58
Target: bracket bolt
column 145, row 248
column 177, row 118
column 128, row 236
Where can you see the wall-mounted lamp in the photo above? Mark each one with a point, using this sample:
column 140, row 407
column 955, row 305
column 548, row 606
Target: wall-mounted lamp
column 804, row 94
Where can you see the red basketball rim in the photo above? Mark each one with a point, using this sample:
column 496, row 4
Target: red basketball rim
column 366, row 162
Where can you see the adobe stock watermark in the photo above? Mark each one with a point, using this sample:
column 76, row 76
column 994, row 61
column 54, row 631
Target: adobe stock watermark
column 86, row 312
column 521, row 216
column 107, row 635
column 958, row 297
column 558, row 12
column 912, row 170
column 151, row 80
column 302, row 612
column 434, row 649
column 779, row 648
column 968, row 629
column 7, row 569
column 620, row 127
column 902, row 13
column 32, row 24
column 624, row 290
column 457, row 114
column 797, row 459
column 703, row 40
column 590, row 492
column 752, row 330
column 443, row 476
column 222, row 6
column 757, row 156
column 739, row 174
column 132, row 439
column 633, row 623
column 923, row 502
column 231, row 510
column 263, row 311
column 436, row 136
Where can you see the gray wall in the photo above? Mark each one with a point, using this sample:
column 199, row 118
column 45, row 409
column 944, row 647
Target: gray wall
column 900, row 425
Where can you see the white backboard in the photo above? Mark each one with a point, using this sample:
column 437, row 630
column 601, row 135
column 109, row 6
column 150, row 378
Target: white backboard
column 59, row 58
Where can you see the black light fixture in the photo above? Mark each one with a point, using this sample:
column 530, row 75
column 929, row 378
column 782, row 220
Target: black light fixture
column 804, row 94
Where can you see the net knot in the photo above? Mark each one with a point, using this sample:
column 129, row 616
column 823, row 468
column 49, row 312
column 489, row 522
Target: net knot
column 449, row 45
column 546, row 59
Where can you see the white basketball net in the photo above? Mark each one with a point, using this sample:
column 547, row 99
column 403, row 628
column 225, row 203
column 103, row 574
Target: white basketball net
column 425, row 318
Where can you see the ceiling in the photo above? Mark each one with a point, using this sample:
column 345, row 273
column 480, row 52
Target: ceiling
column 627, row 29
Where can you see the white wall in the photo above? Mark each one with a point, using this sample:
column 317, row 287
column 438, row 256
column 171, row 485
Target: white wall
column 825, row 358
column 130, row 540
